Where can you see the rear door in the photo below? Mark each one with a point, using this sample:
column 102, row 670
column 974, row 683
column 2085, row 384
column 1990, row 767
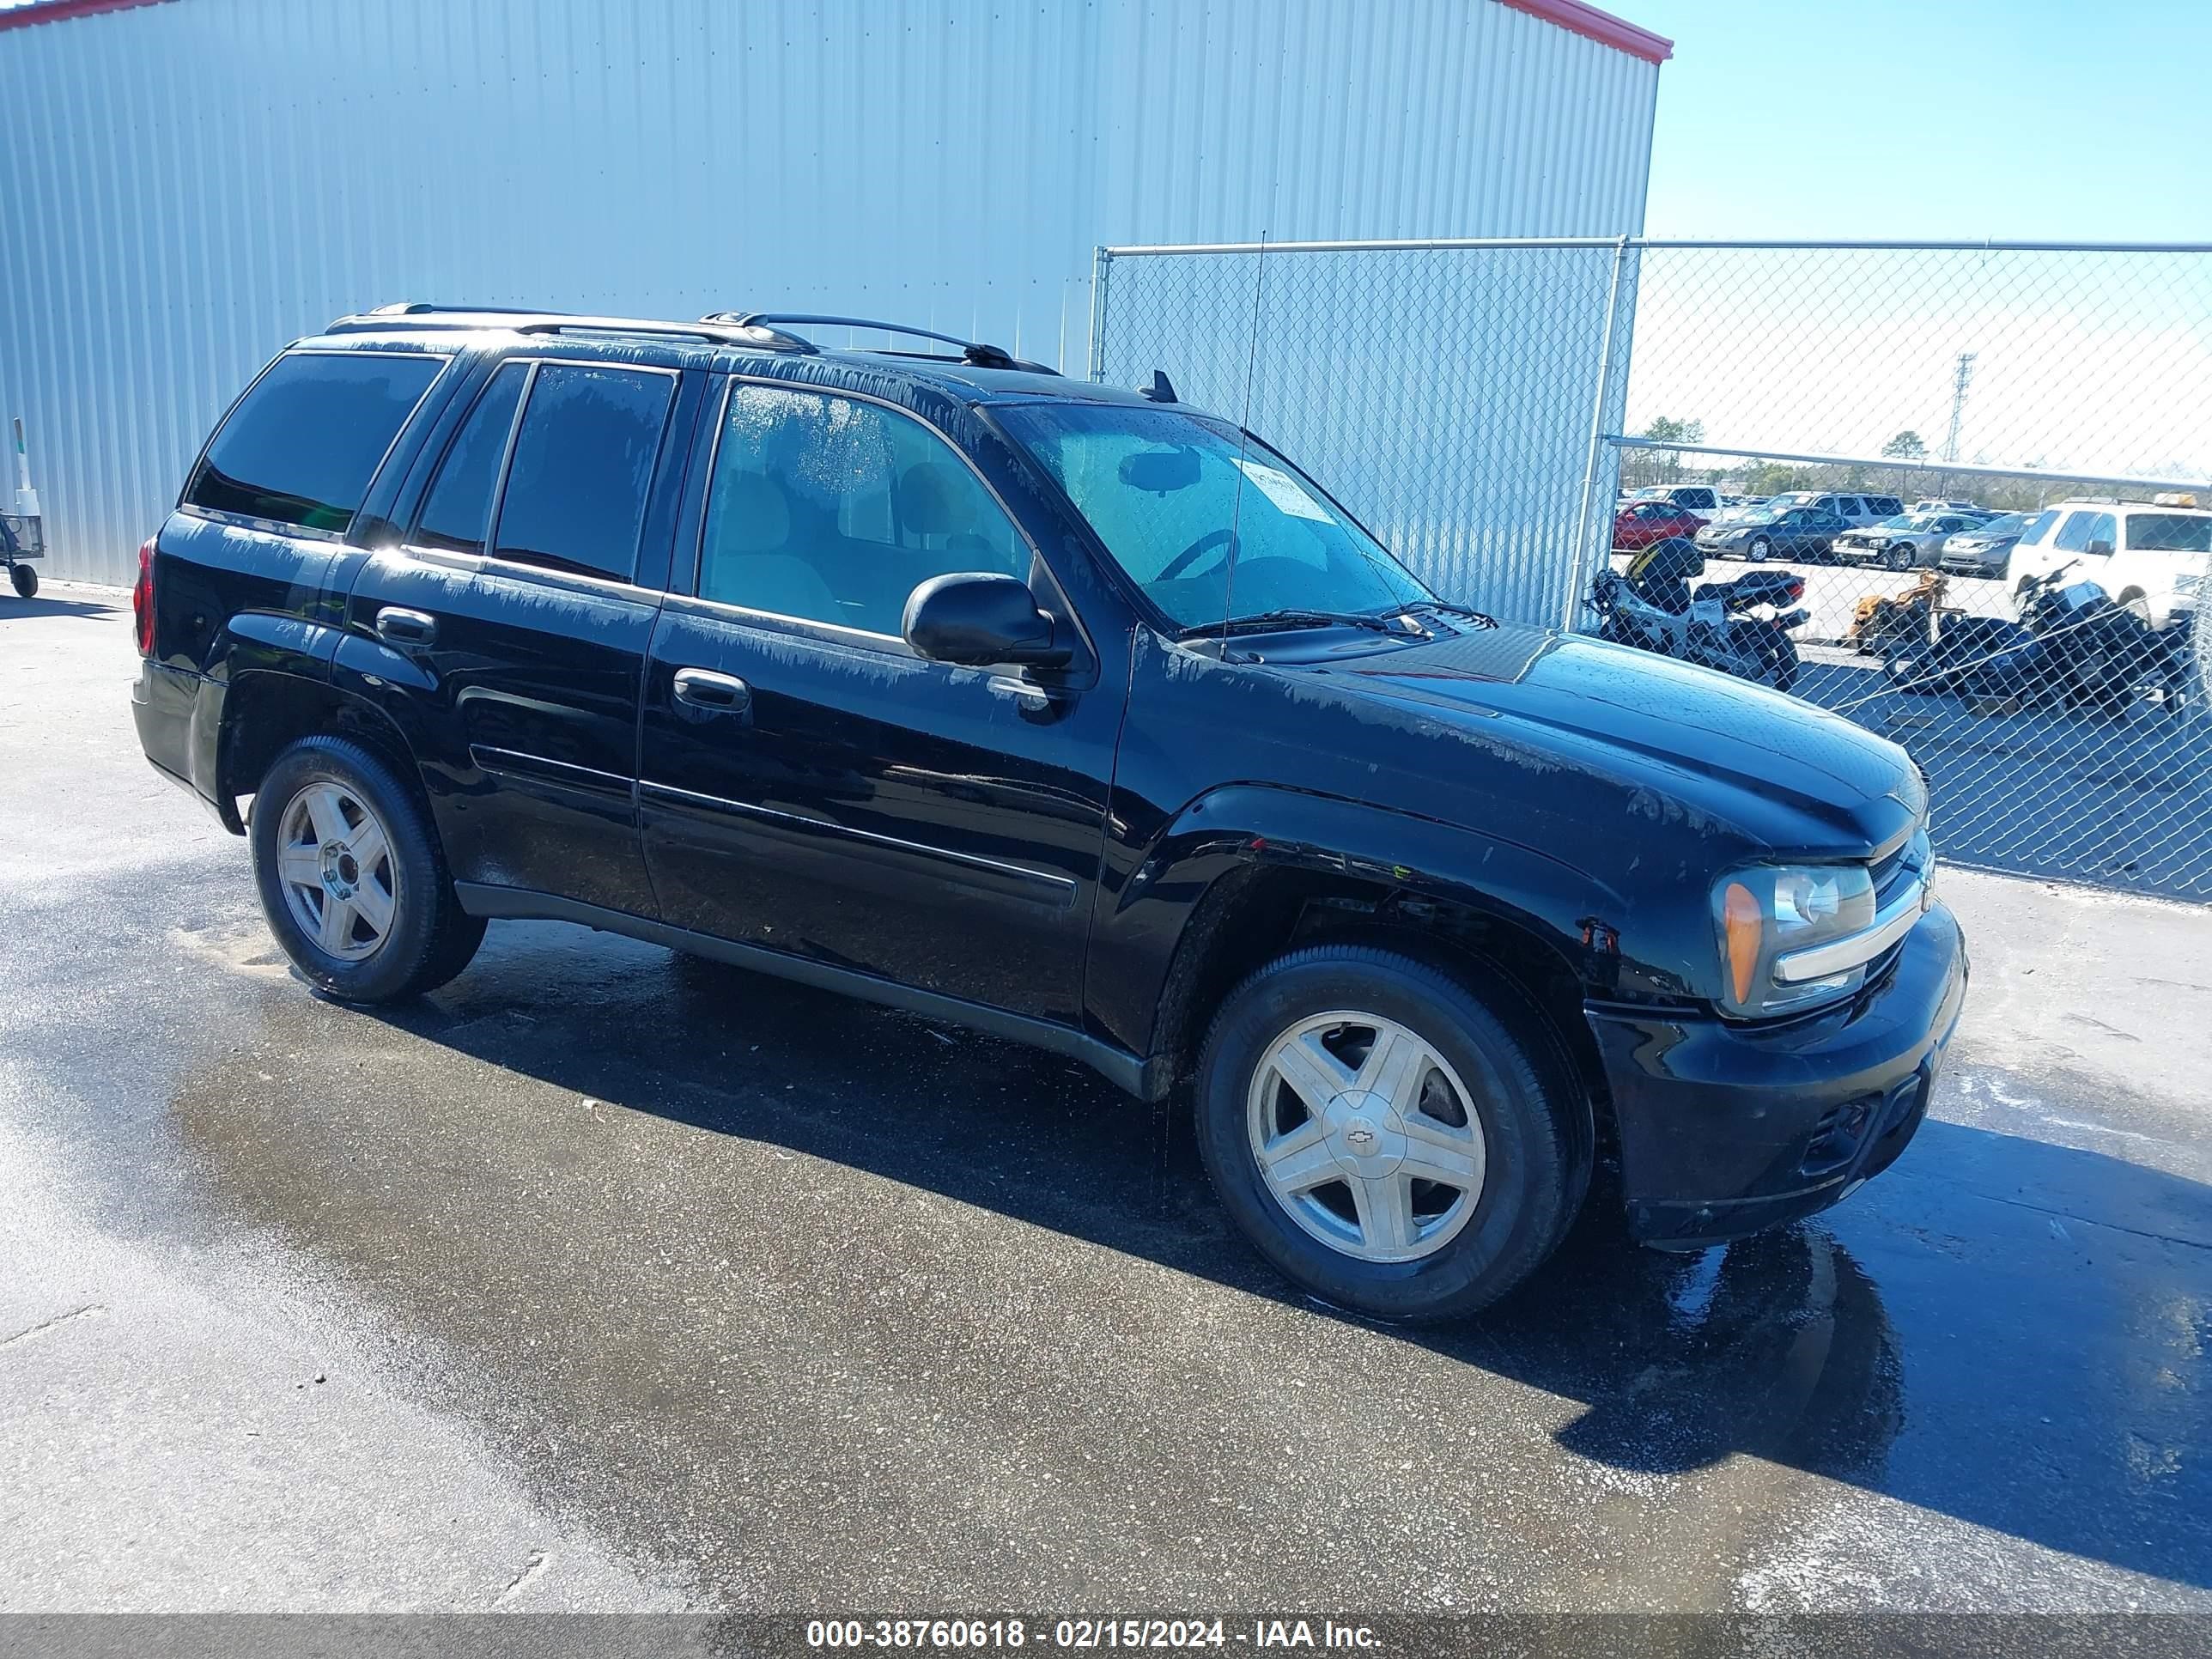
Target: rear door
column 812, row 785
column 517, row 611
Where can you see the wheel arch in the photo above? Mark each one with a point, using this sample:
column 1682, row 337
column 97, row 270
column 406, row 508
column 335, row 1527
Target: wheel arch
column 265, row 711
column 1272, row 871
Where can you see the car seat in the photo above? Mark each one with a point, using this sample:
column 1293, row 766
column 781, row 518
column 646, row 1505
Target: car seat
column 748, row 561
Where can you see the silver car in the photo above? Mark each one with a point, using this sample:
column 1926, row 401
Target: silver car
column 1901, row 543
column 1985, row 550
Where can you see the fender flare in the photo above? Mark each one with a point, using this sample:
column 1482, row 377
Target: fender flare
column 1143, row 944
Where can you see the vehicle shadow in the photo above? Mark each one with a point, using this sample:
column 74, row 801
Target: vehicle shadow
column 12, row 607
column 2002, row 1330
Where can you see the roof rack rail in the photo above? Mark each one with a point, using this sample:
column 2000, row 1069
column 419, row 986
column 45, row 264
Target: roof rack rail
column 524, row 321
column 977, row 352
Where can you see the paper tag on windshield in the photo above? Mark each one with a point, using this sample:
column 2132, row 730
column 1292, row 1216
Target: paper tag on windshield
column 1287, row 492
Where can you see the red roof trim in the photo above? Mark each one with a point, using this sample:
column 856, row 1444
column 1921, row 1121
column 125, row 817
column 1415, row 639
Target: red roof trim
column 56, row 11
column 1601, row 26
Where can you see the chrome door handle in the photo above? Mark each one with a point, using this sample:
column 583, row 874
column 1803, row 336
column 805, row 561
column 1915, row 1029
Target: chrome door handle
column 404, row 627
column 702, row 688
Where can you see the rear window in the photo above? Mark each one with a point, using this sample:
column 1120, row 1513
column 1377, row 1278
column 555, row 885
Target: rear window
column 303, row 444
column 1887, row 506
column 2169, row 532
column 583, row 461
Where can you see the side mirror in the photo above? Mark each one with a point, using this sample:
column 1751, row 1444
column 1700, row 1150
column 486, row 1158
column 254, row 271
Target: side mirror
column 2097, row 549
column 977, row 620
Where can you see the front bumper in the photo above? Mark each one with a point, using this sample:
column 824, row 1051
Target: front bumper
column 1727, row 1128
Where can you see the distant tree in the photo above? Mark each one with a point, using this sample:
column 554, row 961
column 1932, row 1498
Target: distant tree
column 1666, row 430
column 1906, row 446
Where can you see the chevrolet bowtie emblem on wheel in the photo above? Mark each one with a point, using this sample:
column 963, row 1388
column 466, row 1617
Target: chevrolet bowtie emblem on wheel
column 1359, row 1138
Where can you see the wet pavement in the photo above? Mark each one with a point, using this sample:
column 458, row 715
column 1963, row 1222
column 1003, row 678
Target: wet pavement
column 607, row 1278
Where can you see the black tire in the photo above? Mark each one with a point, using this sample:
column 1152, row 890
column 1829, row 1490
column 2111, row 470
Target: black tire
column 1898, row 558
column 430, row 938
column 1536, row 1124
column 26, row 580
column 1780, row 655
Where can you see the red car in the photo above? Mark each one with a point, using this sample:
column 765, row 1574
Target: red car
column 1640, row 524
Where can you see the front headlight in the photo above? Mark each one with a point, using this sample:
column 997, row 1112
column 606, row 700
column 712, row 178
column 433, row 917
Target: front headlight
column 1764, row 914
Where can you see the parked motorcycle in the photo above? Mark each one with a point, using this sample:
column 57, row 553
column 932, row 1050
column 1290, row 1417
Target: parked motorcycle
column 1738, row 627
column 1882, row 624
column 2072, row 645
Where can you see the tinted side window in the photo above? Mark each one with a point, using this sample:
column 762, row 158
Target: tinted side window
column 834, row 511
column 583, row 461
column 2074, row 535
column 302, row 445
column 2104, row 531
column 458, row 510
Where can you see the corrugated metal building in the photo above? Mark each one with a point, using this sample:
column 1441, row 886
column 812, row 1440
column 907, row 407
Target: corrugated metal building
column 185, row 185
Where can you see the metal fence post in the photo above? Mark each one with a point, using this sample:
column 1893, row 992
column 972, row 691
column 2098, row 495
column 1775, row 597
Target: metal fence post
column 1577, row 565
column 1102, row 261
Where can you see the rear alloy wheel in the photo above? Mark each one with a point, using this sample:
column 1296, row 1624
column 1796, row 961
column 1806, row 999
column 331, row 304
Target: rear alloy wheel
column 1391, row 1139
column 334, row 860
column 352, row 880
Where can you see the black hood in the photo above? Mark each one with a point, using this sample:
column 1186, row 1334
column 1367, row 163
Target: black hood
column 1700, row 736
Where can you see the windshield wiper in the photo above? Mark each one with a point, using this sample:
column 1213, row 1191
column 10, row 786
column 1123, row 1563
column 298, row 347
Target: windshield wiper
column 1266, row 621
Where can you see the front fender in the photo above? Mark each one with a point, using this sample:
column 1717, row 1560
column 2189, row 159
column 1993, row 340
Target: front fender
column 1228, row 833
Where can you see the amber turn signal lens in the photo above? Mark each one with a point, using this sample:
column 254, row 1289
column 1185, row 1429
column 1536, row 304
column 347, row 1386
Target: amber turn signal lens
column 1747, row 930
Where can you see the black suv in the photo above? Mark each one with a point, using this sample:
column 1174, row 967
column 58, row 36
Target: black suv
column 1072, row 714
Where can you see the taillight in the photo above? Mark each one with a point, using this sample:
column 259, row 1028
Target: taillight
column 1795, row 590
column 141, row 598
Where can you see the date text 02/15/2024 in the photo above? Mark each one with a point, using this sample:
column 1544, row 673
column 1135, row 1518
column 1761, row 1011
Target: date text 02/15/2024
column 1085, row 1634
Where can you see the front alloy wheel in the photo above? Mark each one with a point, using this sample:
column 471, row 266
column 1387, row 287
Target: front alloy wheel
column 1363, row 1134
column 1394, row 1133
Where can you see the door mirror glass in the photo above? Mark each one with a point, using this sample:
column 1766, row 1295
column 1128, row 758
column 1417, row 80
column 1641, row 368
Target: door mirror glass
column 2097, row 549
column 979, row 620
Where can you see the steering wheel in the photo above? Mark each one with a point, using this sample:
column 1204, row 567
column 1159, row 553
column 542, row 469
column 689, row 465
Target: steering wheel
column 1224, row 538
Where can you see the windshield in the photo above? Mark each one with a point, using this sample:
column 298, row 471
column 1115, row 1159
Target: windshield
column 2170, row 532
column 1163, row 489
column 1761, row 514
column 2008, row 523
column 1913, row 521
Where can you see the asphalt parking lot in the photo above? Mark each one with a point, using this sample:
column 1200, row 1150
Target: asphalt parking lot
column 605, row 1280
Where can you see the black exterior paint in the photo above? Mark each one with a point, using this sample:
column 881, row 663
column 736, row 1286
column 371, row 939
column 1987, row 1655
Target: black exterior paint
column 1028, row 852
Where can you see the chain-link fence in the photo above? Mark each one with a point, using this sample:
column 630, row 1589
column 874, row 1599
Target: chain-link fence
column 1955, row 492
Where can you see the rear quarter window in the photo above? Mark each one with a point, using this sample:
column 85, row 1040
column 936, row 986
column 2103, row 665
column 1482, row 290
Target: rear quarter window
column 302, row 445
column 2169, row 532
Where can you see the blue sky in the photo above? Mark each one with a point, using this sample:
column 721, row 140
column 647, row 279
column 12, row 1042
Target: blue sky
column 2032, row 118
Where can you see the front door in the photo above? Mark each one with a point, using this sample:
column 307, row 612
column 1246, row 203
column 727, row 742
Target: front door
column 810, row 785
column 516, row 603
